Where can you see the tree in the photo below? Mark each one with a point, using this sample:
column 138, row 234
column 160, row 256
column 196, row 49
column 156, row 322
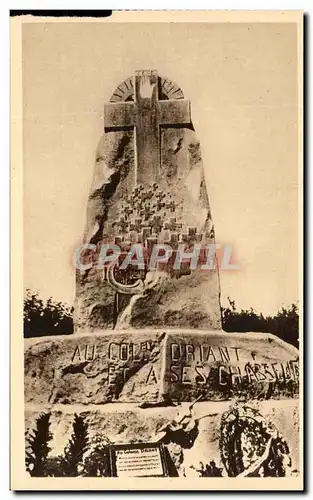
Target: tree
column 55, row 318
column 37, row 450
column 77, row 446
column 46, row 317
column 285, row 324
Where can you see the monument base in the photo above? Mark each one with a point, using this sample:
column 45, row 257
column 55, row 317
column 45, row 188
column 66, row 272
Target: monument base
column 150, row 366
column 129, row 386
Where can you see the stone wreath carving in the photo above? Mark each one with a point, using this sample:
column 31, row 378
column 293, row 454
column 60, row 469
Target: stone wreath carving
column 252, row 447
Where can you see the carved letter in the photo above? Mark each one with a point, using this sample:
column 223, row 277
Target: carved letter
column 224, row 354
column 267, row 372
column 175, row 350
column 131, row 351
column 250, row 373
column 283, row 371
column 236, row 351
column 174, row 376
column 275, row 371
column 287, row 371
column 235, row 375
column 111, row 377
column 211, row 353
column 259, row 373
column 201, row 375
column 123, row 352
column 201, row 353
column 111, row 355
column 152, row 375
column 77, row 352
column 190, row 351
column 220, row 368
column 93, row 352
column 295, row 368
column 183, row 379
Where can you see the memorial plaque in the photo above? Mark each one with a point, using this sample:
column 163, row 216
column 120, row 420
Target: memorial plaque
column 138, row 460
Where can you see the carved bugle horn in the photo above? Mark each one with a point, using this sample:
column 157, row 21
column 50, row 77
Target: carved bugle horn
column 133, row 289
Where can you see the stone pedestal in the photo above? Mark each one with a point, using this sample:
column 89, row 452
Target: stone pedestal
column 156, row 366
column 127, row 385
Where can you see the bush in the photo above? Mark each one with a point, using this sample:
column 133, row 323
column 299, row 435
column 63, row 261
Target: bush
column 97, row 458
column 46, row 317
column 81, row 457
column 285, row 324
column 55, row 318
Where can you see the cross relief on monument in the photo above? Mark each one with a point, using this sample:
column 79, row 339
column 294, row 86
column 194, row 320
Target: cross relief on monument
column 146, row 115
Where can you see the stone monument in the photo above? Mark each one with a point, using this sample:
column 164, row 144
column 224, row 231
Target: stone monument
column 151, row 336
column 149, row 187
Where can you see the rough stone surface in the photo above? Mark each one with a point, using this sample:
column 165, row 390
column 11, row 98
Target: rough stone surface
column 158, row 365
column 93, row 369
column 221, row 365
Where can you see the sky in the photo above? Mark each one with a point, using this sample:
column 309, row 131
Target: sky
column 241, row 80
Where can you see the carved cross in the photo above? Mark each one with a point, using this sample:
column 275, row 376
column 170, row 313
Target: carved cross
column 146, row 115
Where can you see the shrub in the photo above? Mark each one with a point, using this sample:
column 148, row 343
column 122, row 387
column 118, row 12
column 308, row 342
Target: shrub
column 82, row 456
column 285, row 324
column 55, row 318
column 46, row 317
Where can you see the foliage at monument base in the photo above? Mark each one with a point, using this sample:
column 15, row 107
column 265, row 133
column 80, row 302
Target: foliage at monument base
column 42, row 318
column 284, row 324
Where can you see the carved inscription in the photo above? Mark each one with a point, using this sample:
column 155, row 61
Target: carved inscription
column 116, row 359
column 200, row 364
column 188, row 366
column 116, row 351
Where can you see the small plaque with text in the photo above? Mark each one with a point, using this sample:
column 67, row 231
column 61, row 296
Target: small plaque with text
column 138, row 460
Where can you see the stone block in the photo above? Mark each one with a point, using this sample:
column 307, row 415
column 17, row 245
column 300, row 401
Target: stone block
column 154, row 366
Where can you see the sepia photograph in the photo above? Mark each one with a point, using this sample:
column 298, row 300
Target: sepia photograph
column 156, row 251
